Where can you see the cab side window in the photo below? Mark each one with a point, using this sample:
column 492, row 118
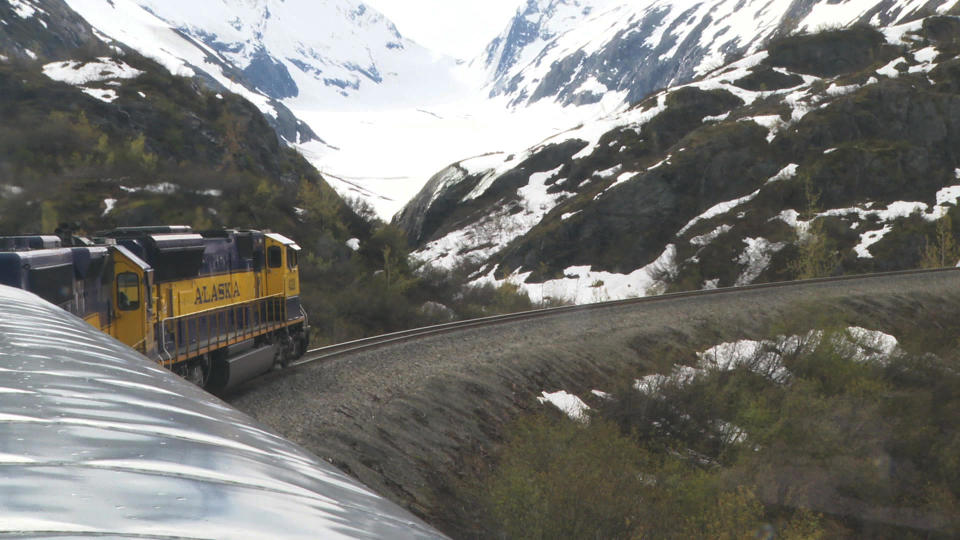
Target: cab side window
column 274, row 257
column 291, row 258
column 128, row 291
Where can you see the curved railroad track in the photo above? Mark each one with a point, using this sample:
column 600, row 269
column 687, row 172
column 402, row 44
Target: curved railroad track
column 325, row 353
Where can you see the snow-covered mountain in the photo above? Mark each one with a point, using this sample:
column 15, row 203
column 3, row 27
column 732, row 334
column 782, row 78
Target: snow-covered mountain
column 311, row 53
column 577, row 51
column 280, row 55
column 534, row 25
column 126, row 24
column 389, row 113
column 853, row 133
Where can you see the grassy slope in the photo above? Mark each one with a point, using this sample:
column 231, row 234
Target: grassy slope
column 845, row 449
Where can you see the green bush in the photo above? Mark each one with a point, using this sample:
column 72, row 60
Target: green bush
column 560, row 480
column 843, row 448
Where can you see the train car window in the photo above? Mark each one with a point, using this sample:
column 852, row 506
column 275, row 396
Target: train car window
column 274, row 256
column 128, row 291
column 11, row 271
column 54, row 284
column 291, row 258
column 245, row 246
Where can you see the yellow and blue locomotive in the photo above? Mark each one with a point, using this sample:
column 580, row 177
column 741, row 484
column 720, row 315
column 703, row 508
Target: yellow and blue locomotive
column 217, row 307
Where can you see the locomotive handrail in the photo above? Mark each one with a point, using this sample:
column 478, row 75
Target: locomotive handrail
column 241, row 321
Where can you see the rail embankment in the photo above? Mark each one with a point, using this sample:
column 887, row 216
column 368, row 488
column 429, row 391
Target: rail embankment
column 415, row 420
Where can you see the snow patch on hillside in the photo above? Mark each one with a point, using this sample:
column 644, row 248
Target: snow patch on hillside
column 766, row 357
column 825, row 16
column 869, row 346
column 569, row 404
column 583, row 285
column 716, row 210
column 536, row 199
column 104, row 95
column 80, row 73
column 109, row 205
column 785, row 173
column 484, row 237
column 24, row 9
column 868, row 239
column 883, row 217
column 772, row 122
column 761, row 357
column 705, row 239
column 130, row 24
column 890, row 69
column 8, row 190
column 755, row 258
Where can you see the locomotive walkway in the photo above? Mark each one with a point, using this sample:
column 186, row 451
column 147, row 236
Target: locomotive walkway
column 400, row 411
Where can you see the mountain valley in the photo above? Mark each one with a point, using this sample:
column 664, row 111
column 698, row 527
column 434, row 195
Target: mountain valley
column 595, row 150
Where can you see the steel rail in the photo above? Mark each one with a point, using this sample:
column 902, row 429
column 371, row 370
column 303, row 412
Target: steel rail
column 331, row 351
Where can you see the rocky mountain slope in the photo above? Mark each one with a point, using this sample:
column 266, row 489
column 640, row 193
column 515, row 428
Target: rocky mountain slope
column 78, row 107
column 577, row 51
column 95, row 135
column 839, row 148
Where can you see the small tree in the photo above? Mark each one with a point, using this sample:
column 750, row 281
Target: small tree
column 943, row 250
column 321, row 208
column 49, row 217
column 388, row 246
column 816, row 255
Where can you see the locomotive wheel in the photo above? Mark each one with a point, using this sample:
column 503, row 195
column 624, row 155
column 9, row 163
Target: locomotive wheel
column 198, row 372
column 287, row 351
column 297, row 349
column 301, row 346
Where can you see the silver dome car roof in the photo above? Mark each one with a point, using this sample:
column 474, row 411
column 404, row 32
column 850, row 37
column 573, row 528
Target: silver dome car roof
column 96, row 440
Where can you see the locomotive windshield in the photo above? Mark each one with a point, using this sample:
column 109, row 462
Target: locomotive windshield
column 275, row 257
column 291, row 258
column 128, row 291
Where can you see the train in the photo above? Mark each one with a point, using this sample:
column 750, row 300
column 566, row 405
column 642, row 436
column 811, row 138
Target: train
column 100, row 442
column 217, row 307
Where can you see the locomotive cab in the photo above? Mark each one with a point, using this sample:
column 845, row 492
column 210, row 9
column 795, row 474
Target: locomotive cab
column 133, row 302
column 283, row 271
